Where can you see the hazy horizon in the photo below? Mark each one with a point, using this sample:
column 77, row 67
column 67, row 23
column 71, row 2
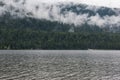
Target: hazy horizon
column 107, row 3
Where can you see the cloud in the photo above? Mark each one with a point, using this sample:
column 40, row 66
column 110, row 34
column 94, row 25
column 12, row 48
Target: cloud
column 42, row 10
column 108, row 3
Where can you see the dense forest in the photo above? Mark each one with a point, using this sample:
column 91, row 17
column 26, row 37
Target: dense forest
column 64, row 26
column 35, row 39
column 28, row 33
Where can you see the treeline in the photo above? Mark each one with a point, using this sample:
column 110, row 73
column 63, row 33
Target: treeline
column 36, row 39
column 11, row 22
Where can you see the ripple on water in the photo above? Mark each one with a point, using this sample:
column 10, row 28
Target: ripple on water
column 59, row 65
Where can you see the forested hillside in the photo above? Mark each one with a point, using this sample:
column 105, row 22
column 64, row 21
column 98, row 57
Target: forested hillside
column 30, row 33
column 58, row 26
column 36, row 39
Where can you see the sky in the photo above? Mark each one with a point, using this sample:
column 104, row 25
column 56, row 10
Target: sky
column 108, row 3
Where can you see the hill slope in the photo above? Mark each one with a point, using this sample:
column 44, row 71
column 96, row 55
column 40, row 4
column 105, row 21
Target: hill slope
column 58, row 26
column 79, row 17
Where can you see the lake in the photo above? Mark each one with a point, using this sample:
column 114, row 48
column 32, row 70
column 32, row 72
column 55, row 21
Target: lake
column 59, row 65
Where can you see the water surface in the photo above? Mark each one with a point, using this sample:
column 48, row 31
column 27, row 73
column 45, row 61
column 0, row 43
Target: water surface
column 59, row 65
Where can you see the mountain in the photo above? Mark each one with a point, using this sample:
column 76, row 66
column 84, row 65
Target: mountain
column 37, row 25
column 66, row 17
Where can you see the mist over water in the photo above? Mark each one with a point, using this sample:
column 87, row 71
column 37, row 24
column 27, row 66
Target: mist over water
column 59, row 65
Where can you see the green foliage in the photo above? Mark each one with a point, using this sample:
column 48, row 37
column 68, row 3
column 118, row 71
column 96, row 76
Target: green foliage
column 29, row 33
column 36, row 39
column 11, row 22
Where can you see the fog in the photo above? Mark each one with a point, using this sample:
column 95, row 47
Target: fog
column 107, row 3
column 51, row 10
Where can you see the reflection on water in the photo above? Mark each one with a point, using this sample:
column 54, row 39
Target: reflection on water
column 59, row 65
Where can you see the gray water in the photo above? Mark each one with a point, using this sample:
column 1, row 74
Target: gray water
column 59, row 65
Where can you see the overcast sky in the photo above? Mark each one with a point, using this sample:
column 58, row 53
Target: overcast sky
column 108, row 3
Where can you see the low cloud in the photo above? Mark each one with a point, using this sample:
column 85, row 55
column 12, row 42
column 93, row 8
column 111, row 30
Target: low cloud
column 52, row 12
